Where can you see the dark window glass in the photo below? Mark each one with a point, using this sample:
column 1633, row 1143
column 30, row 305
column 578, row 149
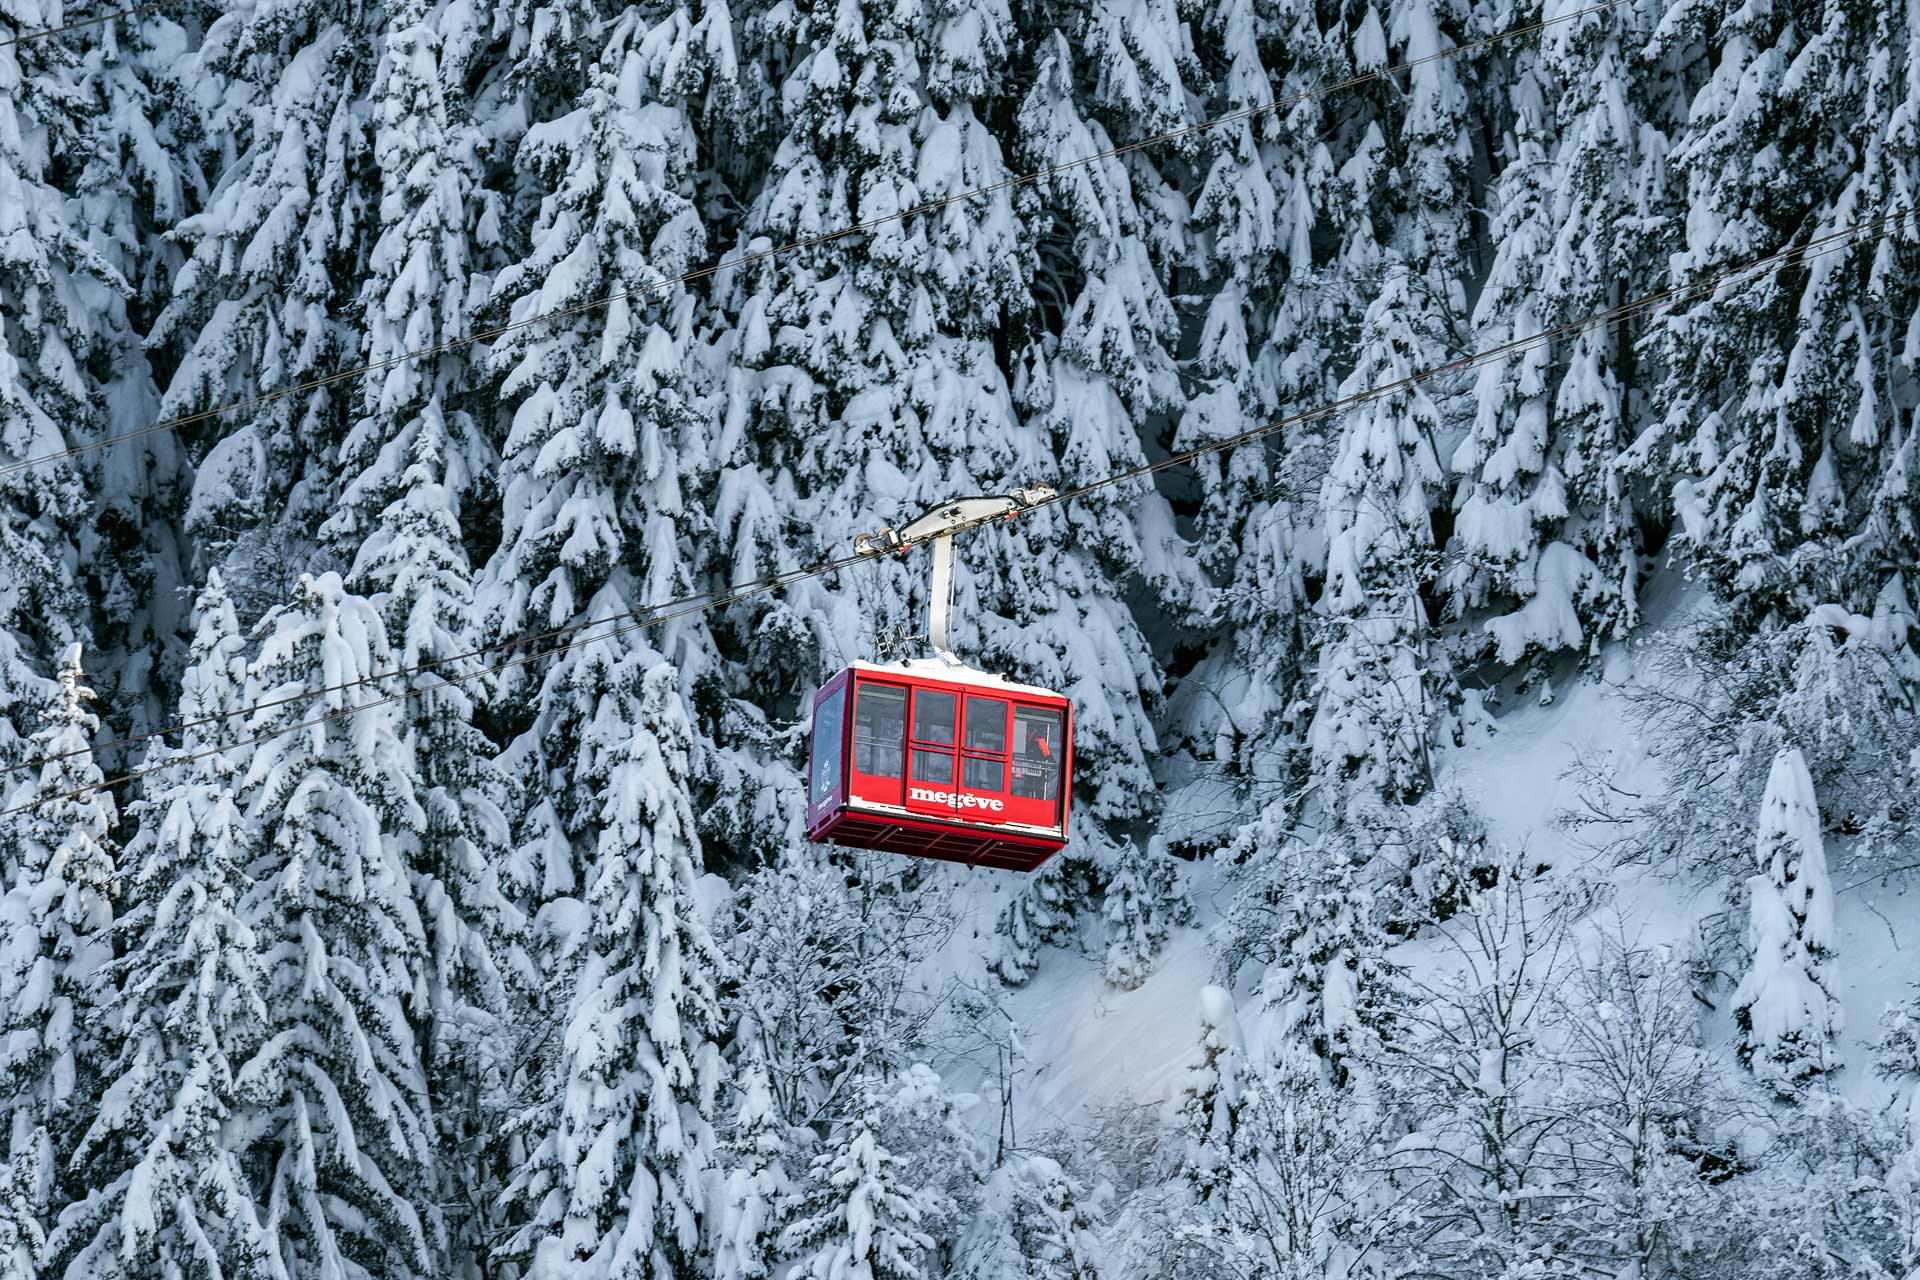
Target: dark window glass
column 1036, row 753
column 986, row 724
column 880, row 730
column 933, row 714
column 826, row 744
column 984, row 775
column 933, row 766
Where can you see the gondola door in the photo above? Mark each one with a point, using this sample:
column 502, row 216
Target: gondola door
column 879, row 742
column 933, row 752
column 983, row 758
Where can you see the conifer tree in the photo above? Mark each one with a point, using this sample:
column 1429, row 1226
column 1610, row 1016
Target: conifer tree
column 1517, row 495
column 605, row 424
column 1034, row 1223
column 341, row 1125
column 1785, row 1005
column 55, row 919
column 621, row 1115
column 415, row 572
column 1382, row 682
column 415, row 292
column 1546, row 526
column 1210, row 1098
column 266, row 299
column 853, row 1217
column 1382, row 686
column 606, row 458
column 1040, row 913
column 757, row 1185
column 167, row 1188
column 873, row 364
column 1793, row 468
column 1144, row 898
column 1284, row 220
column 135, row 178
column 22, row 1239
column 1319, row 916
column 1090, row 383
column 53, row 284
column 418, row 462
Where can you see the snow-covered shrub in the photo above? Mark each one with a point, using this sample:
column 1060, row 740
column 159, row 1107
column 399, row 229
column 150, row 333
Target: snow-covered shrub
column 1786, row 1006
column 1714, row 703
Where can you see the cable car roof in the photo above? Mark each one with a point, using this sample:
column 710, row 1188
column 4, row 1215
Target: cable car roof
column 954, row 673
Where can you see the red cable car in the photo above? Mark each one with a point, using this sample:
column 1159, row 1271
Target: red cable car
column 931, row 758
column 940, row 763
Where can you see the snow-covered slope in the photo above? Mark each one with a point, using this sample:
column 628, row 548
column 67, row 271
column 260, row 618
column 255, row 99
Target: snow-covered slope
column 1086, row 1046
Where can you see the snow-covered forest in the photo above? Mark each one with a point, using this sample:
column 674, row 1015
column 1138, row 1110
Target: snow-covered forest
column 1496, row 802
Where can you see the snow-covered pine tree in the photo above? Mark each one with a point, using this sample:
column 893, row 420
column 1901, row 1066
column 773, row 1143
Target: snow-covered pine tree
column 1850, row 700
column 1262, row 347
column 1514, row 496
column 54, row 289
column 1144, row 898
column 1383, row 682
column 167, row 1188
column 414, row 570
column 1382, row 686
column 1043, row 912
column 1772, row 398
column 869, row 366
column 1210, row 1098
column 1096, row 377
column 1094, row 389
column 621, row 1112
column 137, row 176
column 1318, row 915
column 607, row 457
column 265, row 300
column 414, row 295
column 55, row 919
column 1299, row 1190
column 340, row 1132
column 22, row 1239
column 1785, row 1006
column 417, row 460
column 1064, row 1245
column 1035, row 1222
column 1546, row 528
column 939, row 1152
column 756, row 1184
column 853, row 1216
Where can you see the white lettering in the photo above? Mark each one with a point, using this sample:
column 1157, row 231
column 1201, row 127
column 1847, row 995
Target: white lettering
column 964, row 801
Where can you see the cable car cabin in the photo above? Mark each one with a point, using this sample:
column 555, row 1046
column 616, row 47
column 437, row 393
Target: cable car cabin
column 938, row 761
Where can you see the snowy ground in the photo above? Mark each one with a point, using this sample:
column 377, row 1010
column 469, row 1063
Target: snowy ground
column 1088, row 1046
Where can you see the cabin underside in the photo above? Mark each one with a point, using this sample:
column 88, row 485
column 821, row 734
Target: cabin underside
column 948, row 842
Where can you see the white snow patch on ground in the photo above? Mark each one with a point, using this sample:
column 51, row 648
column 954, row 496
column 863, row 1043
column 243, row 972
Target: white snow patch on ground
column 1087, row 1046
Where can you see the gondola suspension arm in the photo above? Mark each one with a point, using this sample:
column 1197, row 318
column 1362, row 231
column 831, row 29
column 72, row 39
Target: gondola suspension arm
column 939, row 525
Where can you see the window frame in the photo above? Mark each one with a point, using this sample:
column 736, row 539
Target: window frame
column 970, row 754
column 1030, row 810
column 878, row 788
column 824, row 772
